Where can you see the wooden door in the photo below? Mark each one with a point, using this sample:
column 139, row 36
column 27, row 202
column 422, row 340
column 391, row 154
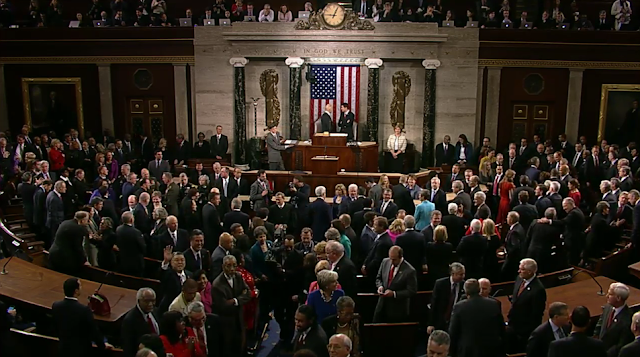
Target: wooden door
column 529, row 119
column 146, row 115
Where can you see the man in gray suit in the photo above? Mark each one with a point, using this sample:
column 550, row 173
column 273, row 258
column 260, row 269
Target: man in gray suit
column 375, row 190
column 397, row 283
column 482, row 210
column 158, row 166
column 274, row 147
column 462, row 197
column 55, row 207
column 260, row 192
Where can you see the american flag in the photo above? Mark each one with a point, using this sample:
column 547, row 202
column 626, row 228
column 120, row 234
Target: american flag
column 334, row 85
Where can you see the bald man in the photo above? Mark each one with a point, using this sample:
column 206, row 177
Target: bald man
column 326, row 120
column 397, row 283
column 175, row 237
column 339, row 346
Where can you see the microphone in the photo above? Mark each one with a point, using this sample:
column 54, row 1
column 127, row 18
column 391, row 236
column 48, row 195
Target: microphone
column 599, row 293
column 4, row 267
column 496, row 293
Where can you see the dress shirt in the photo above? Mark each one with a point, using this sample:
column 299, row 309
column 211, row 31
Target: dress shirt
column 395, row 144
column 147, row 316
column 230, row 281
column 457, row 288
column 225, row 184
column 558, row 333
column 384, row 206
column 197, row 256
column 463, row 153
column 617, row 310
column 264, row 17
column 528, row 281
column 174, row 237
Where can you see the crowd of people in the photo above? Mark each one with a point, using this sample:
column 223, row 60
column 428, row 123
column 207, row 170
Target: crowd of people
column 111, row 203
column 564, row 14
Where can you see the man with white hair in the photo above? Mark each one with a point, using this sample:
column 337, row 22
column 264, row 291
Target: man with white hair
column 320, row 213
column 139, row 321
column 514, row 242
column 438, row 344
column 573, row 224
column 482, row 209
column 462, row 197
column 447, row 292
column 614, row 326
column 342, row 265
column 339, row 346
column 412, row 242
column 607, row 192
column 528, row 302
column 633, row 349
column 471, row 250
column 55, row 208
column 437, row 195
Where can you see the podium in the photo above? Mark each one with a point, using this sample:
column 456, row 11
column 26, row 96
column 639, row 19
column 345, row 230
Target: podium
column 325, row 165
column 330, row 139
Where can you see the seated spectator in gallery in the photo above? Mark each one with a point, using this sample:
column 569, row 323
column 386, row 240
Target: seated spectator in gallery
column 188, row 14
column 388, row 14
column 208, row 15
column 602, row 24
column 491, row 22
column 163, row 21
column 118, row 19
column 545, row 22
column 581, row 22
column 285, row 15
column 266, row 14
column 505, row 17
column 141, row 20
column 83, row 21
column 430, row 15
column 561, row 20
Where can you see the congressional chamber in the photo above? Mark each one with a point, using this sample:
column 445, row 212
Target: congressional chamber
column 353, row 178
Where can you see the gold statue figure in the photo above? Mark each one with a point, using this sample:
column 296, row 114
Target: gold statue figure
column 401, row 88
column 269, row 88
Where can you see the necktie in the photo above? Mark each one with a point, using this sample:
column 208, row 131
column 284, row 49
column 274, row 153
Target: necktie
column 391, row 271
column 157, row 164
column 433, row 193
column 198, row 260
column 452, row 300
column 445, row 149
column 182, row 278
column 561, row 333
column 595, row 161
column 384, row 206
column 511, row 162
column 611, row 318
column 201, row 340
column 224, row 184
column 151, row 324
column 522, row 287
column 175, row 238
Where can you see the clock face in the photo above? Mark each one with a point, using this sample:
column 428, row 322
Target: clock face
column 333, row 14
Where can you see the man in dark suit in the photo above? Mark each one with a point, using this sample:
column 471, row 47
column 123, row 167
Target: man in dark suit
column 602, row 24
column 412, row 243
column 309, row 335
column 528, row 302
column 599, row 233
column 396, row 282
column 288, row 285
column 240, row 184
column 345, row 124
column 477, row 325
column 386, row 207
column 230, row 293
column 471, row 250
column 207, row 328
column 456, row 226
column 436, row 219
column 196, row 257
column 578, row 344
column 260, row 192
column 326, row 122
column 380, row 249
column 219, row 144
column 437, row 195
column 236, row 216
column 542, row 201
column 139, row 321
column 446, row 293
column 158, row 166
column 479, row 203
column 320, row 214
column 533, row 171
column 222, row 250
column 66, row 254
column 74, row 322
column 211, row 221
column 282, row 214
column 172, row 275
column 176, row 237
column 343, row 266
column 40, row 211
column 445, row 152
column 142, row 217
column 171, row 195
column 514, row 246
column 527, row 212
column 540, row 238
column 462, row 198
column 55, row 207
column 132, row 247
column 556, row 328
column 633, row 349
column 183, row 151
column 614, row 326
column 574, row 225
column 402, row 197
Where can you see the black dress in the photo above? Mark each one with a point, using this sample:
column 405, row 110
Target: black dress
column 201, row 151
column 106, row 256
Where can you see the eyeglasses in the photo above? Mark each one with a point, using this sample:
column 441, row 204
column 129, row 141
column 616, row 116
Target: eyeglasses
column 331, row 347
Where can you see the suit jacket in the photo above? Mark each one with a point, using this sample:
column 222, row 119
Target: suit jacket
column 213, row 330
column 413, row 244
column 378, row 252
column 134, row 326
column 274, row 147
column 540, row 238
column 347, row 276
column 315, row 341
column 389, row 212
column 471, row 251
column 477, row 328
column 345, row 124
column 255, row 195
column 528, row 213
column 132, row 250
column 514, row 247
column 190, row 260
column 541, row 337
column 39, row 207
column 404, row 285
column 326, row 124
column 577, row 345
column 483, row 211
column 514, row 199
column 574, row 225
column 456, row 228
column 606, row 26
column 236, row 217
column 142, row 219
column 221, row 291
column 542, row 203
column 216, row 262
column 211, row 226
column 219, row 147
column 403, row 199
column 440, row 302
column 619, row 332
column 319, row 218
column 527, row 309
column 171, row 199
column 464, row 199
column 285, row 215
column 55, row 210
column 445, row 157
column 183, row 152
column 440, row 200
column 66, row 254
column 171, row 287
column 181, row 245
column 533, row 173
column 630, row 350
column 157, row 171
column 375, row 193
column 76, row 328
column 598, row 236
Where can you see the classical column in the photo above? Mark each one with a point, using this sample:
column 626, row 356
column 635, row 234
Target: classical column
column 4, row 113
column 106, row 97
column 240, row 110
column 373, row 97
column 492, row 109
column 574, row 97
column 429, row 119
column 180, row 92
column 295, row 82
column 479, row 94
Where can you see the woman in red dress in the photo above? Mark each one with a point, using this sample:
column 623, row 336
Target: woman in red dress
column 506, row 188
column 177, row 339
column 249, row 309
column 56, row 156
column 574, row 191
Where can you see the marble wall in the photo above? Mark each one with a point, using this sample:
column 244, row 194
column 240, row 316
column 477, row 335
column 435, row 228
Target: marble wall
column 400, row 46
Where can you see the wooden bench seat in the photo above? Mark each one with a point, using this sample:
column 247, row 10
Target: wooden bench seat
column 29, row 344
column 116, row 279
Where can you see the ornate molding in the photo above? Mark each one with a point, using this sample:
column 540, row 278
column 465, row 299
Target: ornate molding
column 294, row 62
column 431, row 64
column 373, row 62
column 559, row 64
column 332, row 60
column 238, row 61
column 101, row 59
column 352, row 22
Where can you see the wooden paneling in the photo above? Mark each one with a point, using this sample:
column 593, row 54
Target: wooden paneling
column 592, row 82
column 512, row 93
column 90, row 91
column 160, row 92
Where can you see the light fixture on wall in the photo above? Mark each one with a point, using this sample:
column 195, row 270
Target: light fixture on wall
column 255, row 116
